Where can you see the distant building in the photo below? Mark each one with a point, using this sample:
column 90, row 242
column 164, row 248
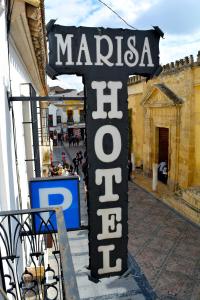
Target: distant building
column 66, row 116
column 165, row 123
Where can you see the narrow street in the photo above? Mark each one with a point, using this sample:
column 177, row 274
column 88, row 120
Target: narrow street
column 70, row 153
column 162, row 245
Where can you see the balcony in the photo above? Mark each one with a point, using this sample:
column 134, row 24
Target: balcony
column 35, row 261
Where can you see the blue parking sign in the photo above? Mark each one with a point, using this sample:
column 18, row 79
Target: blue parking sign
column 55, row 191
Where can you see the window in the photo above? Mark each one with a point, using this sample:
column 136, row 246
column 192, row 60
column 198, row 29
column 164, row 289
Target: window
column 70, row 116
column 50, row 120
column 59, row 120
column 82, row 116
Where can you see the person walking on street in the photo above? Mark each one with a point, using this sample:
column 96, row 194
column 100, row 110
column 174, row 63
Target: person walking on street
column 61, row 139
column 80, row 157
column 63, row 158
column 76, row 163
column 85, row 179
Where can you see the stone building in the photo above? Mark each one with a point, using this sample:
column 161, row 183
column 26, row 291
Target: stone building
column 165, row 118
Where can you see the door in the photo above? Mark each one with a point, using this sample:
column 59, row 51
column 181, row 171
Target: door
column 163, row 153
column 163, row 144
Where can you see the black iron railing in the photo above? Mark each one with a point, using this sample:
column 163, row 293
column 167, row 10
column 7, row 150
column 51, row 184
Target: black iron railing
column 35, row 257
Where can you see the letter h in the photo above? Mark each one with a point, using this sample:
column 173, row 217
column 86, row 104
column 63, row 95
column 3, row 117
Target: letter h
column 114, row 86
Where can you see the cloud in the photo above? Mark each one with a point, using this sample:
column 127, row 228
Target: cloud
column 175, row 47
column 67, row 81
column 173, row 16
column 69, row 12
column 93, row 13
column 179, row 20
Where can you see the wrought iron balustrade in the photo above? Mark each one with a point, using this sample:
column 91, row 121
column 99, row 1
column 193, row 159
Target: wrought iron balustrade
column 35, row 257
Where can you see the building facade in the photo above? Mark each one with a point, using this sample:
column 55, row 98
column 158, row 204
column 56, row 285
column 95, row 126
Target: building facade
column 22, row 64
column 165, row 121
column 67, row 116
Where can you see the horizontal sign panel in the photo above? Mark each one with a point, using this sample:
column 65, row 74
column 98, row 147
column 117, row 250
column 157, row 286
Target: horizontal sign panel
column 83, row 49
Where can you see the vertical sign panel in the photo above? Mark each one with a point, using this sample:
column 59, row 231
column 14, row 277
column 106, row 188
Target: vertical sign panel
column 105, row 58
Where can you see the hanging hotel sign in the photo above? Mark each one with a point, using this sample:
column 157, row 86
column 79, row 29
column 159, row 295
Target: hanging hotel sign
column 105, row 58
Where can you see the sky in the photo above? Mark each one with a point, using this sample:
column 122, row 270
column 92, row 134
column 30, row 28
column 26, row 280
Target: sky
column 178, row 19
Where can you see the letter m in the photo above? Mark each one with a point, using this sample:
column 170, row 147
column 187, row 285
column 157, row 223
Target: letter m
column 62, row 46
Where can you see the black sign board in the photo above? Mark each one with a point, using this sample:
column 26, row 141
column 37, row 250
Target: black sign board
column 105, row 58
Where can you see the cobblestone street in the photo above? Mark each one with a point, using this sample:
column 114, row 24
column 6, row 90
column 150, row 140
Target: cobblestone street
column 165, row 245
column 162, row 244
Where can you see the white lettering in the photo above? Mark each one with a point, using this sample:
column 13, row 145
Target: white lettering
column 110, row 216
column 106, row 260
column 99, row 57
column 98, row 143
column 119, row 50
column 84, row 48
column 132, row 53
column 114, row 86
column 62, row 45
column 108, row 175
column 105, row 45
column 146, row 50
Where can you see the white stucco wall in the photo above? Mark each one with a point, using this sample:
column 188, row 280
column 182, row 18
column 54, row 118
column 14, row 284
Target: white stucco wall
column 19, row 76
column 63, row 115
column 76, row 116
column 8, row 186
column 13, row 168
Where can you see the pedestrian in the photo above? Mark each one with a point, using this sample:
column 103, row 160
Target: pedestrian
column 71, row 170
column 74, row 141
column 66, row 165
column 60, row 170
column 85, row 178
column 70, row 141
column 80, row 157
column 61, row 139
column 54, row 171
column 55, row 138
column 63, row 158
column 76, row 163
column 163, row 171
column 77, row 140
column 66, row 169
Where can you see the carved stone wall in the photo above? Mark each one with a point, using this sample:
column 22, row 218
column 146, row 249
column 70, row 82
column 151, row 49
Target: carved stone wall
column 171, row 100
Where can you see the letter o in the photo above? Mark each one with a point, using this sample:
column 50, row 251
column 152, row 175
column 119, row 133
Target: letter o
column 98, row 143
